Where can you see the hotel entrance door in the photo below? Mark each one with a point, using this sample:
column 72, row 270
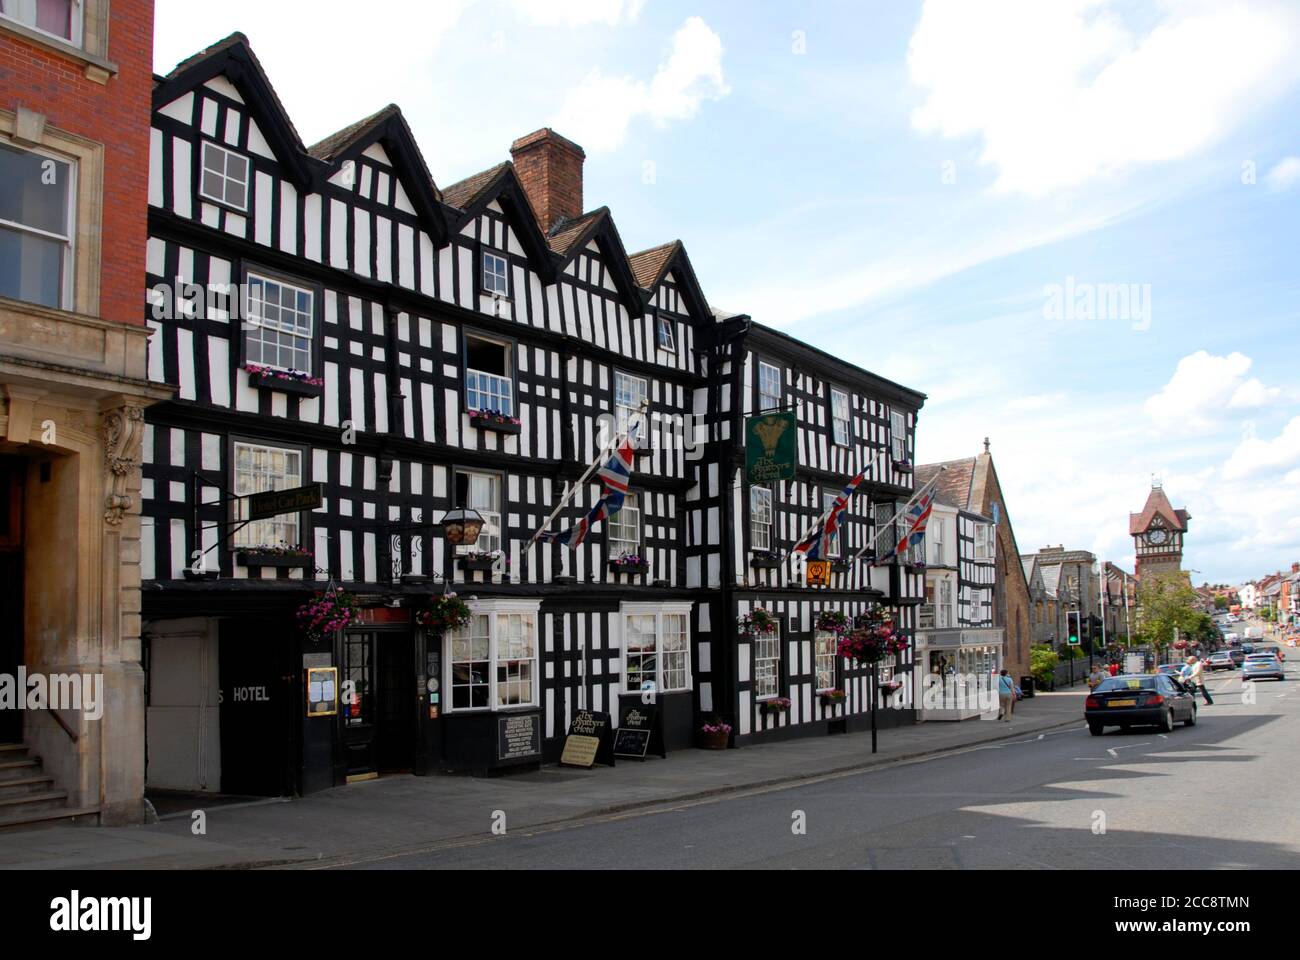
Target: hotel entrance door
column 380, row 705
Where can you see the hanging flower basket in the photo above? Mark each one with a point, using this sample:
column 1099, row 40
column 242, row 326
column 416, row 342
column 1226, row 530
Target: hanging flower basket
column 775, row 706
column 326, row 613
column 832, row 621
column 1180, row 645
column 758, row 623
column 447, row 612
column 872, row 640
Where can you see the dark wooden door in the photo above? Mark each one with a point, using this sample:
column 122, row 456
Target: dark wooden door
column 396, row 691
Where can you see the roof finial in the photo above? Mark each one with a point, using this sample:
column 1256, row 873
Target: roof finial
column 1155, row 482
column 986, row 444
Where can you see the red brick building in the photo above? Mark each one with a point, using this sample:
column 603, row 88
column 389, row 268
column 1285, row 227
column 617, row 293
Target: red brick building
column 75, row 99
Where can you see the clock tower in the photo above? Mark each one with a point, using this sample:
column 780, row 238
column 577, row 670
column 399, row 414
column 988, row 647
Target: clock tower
column 1157, row 534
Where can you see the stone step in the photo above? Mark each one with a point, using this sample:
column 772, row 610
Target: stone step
column 41, row 819
column 12, row 751
column 24, row 786
column 25, row 805
column 17, row 769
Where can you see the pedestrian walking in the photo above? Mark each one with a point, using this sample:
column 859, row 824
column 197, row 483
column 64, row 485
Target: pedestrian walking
column 1194, row 672
column 1095, row 677
column 1006, row 696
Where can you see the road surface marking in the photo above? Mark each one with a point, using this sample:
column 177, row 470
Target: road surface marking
column 1113, row 751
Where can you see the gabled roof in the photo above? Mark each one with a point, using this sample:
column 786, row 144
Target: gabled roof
column 651, row 266
column 469, row 198
column 954, row 486
column 1051, row 578
column 568, row 238
column 388, row 128
column 1157, row 505
column 233, row 58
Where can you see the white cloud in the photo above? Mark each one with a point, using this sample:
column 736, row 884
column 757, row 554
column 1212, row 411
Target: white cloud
column 1284, row 175
column 1254, row 455
column 597, row 113
column 1202, row 388
column 1067, row 91
column 580, row 13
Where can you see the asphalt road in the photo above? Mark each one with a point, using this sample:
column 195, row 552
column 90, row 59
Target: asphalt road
column 1219, row 795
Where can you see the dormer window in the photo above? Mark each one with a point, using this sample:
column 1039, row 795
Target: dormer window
column 496, row 276
column 664, row 333
column 225, row 177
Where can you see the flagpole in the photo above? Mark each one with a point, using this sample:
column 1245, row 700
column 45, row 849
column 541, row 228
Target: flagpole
column 894, row 519
column 592, row 468
column 827, row 512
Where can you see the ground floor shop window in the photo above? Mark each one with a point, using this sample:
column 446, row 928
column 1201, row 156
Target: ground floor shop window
column 656, row 647
column 492, row 661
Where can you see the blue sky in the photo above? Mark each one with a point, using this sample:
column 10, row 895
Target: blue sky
column 905, row 184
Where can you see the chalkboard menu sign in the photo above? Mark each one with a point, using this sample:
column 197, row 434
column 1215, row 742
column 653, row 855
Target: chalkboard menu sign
column 590, row 740
column 519, row 736
column 639, row 731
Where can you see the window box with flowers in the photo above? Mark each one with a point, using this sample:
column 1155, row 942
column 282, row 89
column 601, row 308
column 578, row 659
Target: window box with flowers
column 832, row 698
column 765, row 560
column 283, row 556
column 890, row 687
column 833, row 621
column 774, row 706
column 715, row 735
column 484, row 562
column 496, row 421
column 903, row 466
column 296, row 382
column 758, row 623
column 631, row 564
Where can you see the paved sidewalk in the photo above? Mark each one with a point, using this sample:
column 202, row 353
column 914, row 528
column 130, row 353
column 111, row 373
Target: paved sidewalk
column 398, row 813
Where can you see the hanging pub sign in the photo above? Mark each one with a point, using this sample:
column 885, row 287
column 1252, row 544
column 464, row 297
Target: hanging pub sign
column 322, row 691
column 590, row 741
column 770, row 447
column 640, row 731
column 274, row 503
column 817, row 573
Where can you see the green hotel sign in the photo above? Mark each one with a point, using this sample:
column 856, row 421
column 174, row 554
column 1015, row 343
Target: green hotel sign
column 770, row 447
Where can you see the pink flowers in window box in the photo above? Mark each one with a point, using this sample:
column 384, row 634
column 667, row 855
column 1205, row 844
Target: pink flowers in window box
column 290, row 376
column 494, row 416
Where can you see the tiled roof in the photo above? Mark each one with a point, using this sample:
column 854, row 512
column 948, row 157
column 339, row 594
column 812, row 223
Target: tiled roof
column 1157, row 502
column 339, row 141
column 648, row 265
column 568, row 232
column 463, row 193
column 954, row 486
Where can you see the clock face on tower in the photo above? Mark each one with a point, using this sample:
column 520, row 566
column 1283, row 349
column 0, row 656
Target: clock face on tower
column 1157, row 537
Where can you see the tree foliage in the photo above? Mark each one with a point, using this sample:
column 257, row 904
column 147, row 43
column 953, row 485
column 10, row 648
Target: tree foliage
column 1167, row 604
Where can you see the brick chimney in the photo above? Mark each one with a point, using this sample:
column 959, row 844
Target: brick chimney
column 550, row 170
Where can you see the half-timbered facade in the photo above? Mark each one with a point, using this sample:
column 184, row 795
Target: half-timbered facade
column 329, row 315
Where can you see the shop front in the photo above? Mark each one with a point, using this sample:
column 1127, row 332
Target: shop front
column 958, row 669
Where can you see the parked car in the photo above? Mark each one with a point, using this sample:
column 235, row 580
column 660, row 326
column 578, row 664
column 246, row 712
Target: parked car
column 1172, row 669
column 1223, row 660
column 1137, row 700
column 1261, row 668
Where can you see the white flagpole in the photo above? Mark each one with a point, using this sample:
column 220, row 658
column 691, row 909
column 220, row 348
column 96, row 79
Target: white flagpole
column 827, row 512
column 894, row 519
column 572, row 490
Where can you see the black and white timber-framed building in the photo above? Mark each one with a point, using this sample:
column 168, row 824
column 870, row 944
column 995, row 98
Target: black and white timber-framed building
column 404, row 311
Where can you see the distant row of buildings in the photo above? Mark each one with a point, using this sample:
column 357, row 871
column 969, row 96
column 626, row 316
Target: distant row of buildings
column 1278, row 593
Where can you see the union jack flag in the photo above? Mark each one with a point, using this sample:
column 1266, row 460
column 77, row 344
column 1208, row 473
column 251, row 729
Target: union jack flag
column 816, row 544
column 915, row 521
column 615, row 475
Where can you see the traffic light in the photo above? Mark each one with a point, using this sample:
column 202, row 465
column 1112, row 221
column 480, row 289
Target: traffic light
column 1085, row 628
column 1072, row 628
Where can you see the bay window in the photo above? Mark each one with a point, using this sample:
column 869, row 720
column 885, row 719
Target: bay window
column 37, row 196
column 492, row 661
column 656, row 647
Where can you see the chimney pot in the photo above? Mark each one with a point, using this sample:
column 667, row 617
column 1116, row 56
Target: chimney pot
column 549, row 167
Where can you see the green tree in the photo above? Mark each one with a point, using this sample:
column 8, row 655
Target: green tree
column 1166, row 604
column 1042, row 663
column 1220, row 603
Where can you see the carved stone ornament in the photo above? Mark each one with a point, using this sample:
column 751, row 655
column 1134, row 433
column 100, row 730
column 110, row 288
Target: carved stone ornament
column 123, row 435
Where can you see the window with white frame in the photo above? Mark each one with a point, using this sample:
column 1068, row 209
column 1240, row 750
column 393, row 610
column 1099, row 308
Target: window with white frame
column 887, row 530
column 496, row 275
column 258, row 469
column 630, row 394
column 481, row 492
column 934, row 538
column 944, row 604
column 841, row 418
column 665, row 336
column 623, row 533
column 58, row 18
column 771, row 395
column 489, row 375
column 984, row 548
column 224, row 178
column 656, row 648
column 37, row 198
column 825, row 657
column 767, row 665
column 279, row 323
column 833, row 541
column 492, row 661
column 898, row 434
column 760, row 518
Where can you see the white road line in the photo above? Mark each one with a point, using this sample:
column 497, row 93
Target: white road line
column 1113, row 751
